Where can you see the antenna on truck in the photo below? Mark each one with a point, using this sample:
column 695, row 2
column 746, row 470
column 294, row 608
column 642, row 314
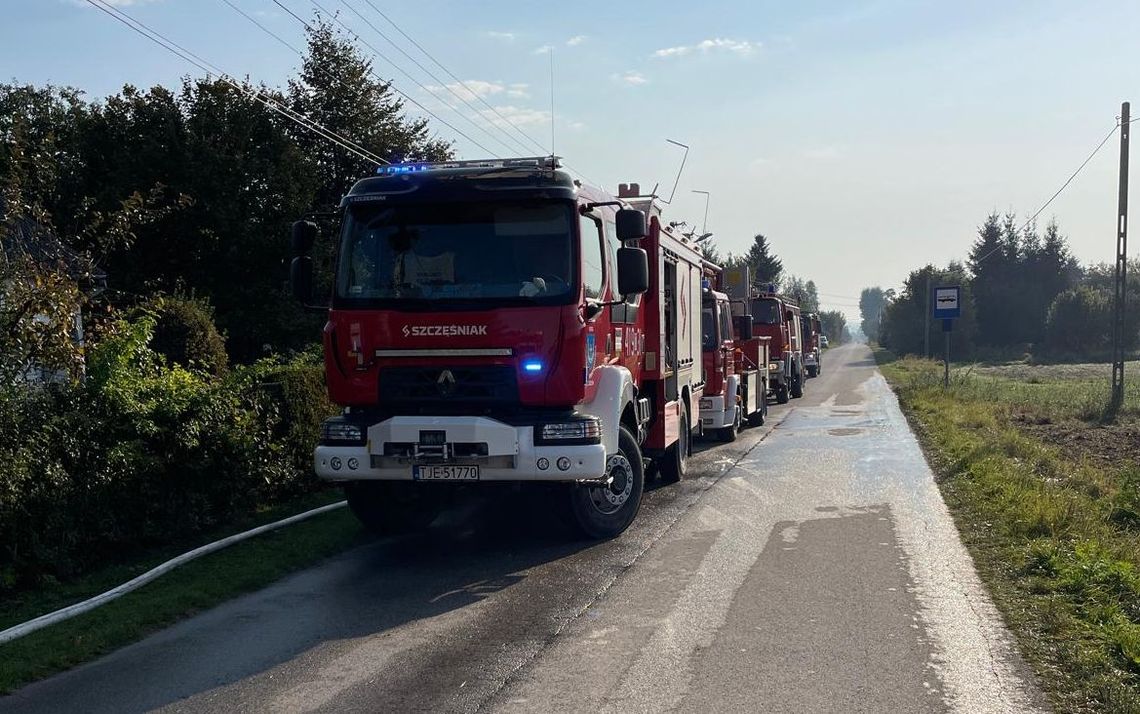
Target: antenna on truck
column 551, row 53
column 679, row 170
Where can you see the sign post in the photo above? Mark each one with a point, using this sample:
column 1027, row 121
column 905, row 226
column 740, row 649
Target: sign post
column 946, row 306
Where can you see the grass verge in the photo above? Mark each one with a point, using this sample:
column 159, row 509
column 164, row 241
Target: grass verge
column 1055, row 534
column 194, row 587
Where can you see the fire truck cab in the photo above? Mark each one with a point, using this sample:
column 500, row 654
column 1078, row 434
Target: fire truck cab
column 777, row 317
column 496, row 321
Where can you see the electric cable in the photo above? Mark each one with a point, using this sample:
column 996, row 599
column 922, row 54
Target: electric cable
column 1058, row 192
column 209, row 68
column 381, row 55
column 442, row 84
column 451, row 74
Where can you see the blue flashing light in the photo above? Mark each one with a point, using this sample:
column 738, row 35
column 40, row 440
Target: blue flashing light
column 532, row 366
column 705, row 284
column 401, row 168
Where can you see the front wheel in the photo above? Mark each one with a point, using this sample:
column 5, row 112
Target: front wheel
column 798, row 386
column 782, row 394
column 605, row 510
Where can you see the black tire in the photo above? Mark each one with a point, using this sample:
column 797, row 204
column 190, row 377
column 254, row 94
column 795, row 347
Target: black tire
column 392, row 507
column 601, row 512
column 727, row 434
column 782, row 394
column 676, row 461
column 797, row 389
column 813, row 371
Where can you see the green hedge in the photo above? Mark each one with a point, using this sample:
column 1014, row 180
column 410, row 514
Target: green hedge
column 145, row 453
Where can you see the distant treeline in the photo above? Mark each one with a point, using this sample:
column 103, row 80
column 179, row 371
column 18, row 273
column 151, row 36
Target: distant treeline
column 1022, row 293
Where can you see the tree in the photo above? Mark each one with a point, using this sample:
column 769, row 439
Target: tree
column 709, row 251
column 871, row 304
column 804, row 293
column 834, row 325
column 904, row 318
column 338, row 89
column 765, row 266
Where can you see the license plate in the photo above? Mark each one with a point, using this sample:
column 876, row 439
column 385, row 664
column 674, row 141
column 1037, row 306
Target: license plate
column 445, row 472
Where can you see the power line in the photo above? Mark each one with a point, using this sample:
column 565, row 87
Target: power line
column 381, row 55
column 452, row 75
column 1063, row 187
column 209, row 68
column 478, row 97
column 439, row 82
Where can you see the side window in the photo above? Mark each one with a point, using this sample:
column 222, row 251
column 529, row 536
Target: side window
column 592, row 260
column 725, row 321
column 612, row 245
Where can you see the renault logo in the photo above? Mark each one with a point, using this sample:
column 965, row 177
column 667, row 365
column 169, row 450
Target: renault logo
column 446, row 383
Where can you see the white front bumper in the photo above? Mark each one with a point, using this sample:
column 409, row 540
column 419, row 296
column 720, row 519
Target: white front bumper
column 512, row 454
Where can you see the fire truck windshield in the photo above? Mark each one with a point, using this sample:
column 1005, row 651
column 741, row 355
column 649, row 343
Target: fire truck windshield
column 766, row 311
column 500, row 251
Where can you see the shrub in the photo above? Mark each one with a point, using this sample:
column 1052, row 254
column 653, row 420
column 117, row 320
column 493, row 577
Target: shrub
column 146, row 453
column 185, row 334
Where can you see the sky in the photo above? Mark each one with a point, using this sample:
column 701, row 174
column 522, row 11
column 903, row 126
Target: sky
column 863, row 138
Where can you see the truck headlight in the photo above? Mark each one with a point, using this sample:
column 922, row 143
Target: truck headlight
column 339, row 431
column 580, row 431
column 773, row 366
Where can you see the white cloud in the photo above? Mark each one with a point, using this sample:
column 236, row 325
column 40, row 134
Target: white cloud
column 741, row 48
column 576, row 125
column 505, row 36
column 469, row 89
column 543, row 50
column 519, row 116
column 631, row 77
column 127, row 3
column 575, row 40
column 520, row 90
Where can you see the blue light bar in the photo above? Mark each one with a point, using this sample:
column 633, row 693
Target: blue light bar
column 532, row 365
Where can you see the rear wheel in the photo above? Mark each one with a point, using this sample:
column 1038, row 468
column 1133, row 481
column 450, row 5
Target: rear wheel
column 676, row 461
column 797, row 386
column 782, row 393
column 392, row 507
column 605, row 510
column 813, row 371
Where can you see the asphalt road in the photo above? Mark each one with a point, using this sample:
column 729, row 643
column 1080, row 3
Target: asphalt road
column 809, row 566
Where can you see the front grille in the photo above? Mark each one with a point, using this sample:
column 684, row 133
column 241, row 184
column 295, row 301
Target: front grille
column 434, row 387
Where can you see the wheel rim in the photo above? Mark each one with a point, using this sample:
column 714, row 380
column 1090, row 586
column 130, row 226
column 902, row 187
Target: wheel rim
column 611, row 496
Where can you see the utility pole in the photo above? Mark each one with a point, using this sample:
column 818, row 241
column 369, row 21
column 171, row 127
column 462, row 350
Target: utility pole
column 926, row 322
column 1118, row 303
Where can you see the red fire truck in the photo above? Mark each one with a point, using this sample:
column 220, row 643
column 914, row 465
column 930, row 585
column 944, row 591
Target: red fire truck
column 777, row 317
column 735, row 362
column 496, row 321
column 811, row 328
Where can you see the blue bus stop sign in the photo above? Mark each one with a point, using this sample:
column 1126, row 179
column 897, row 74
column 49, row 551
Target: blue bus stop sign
column 947, row 303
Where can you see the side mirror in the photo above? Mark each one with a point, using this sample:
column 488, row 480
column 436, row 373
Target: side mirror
column 303, row 236
column 743, row 326
column 630, row 224
column 632, row 269
column 301, row 278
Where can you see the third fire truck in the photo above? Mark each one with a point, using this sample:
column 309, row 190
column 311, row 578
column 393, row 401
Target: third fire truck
column 777, row 317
